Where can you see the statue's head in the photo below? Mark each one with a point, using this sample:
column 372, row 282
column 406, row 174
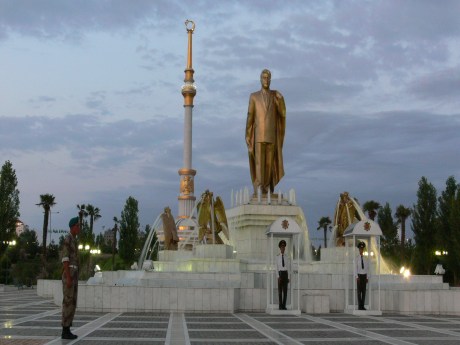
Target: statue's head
column 265, row 78
column 167, row 209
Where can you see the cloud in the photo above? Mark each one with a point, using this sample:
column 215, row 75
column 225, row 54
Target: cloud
column 50, row 19
column 440, row 85
column 370, row 89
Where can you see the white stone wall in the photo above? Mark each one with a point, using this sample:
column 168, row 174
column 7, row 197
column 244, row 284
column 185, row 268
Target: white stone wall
column 247, row 297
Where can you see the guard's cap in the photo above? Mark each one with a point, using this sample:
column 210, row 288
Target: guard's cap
column 361, row 245
column 73, row 221
column 282, row 243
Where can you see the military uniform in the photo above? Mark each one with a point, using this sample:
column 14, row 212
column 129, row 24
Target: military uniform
column 282, row 265
column 362, row 276
column 69, row 301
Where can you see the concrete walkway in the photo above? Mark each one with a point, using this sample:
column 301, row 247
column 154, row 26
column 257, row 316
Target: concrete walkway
column 26, row 319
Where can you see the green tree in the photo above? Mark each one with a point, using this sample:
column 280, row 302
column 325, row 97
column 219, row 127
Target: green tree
column 114, row 243
column 449, row 227
column 47, row 201
column 324, row 223
column 27, row 259
column 389, row 239
column 100, row 240
column 9, row 203
column 424, row 227
column 81, row 213
column 86, row 237
column 129, row 227
column 94, row 215
column 27, row 244
column 402, row 213
column 454, row 252
column 152, row 251
column 105, row 247
column 371, row 208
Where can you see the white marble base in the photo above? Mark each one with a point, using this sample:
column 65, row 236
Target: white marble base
column 363, row 312
column 274, row 310
column 174, row 255
column 247, row 292
column 213, row 251
column 312, row 303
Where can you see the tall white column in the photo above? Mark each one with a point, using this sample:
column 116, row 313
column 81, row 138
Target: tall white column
column 187, row 174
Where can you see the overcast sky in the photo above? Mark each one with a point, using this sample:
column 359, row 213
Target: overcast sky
column 91, row 109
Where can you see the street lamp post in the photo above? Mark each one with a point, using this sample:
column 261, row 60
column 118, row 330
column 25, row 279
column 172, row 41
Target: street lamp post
column 51, row 229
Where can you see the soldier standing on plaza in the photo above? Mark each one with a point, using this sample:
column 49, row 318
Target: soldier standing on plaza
column 70, row 278
column 362, row 275
column 282, row 266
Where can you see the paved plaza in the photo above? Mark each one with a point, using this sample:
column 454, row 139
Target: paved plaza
column 27, row 319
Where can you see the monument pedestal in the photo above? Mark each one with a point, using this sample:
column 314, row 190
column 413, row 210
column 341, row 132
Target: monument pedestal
column 174, row 255
column 248, row 223
column 213, row 251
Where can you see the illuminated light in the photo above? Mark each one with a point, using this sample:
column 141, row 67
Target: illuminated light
column 8, row 324
column 438, row 252
column 97, row 268
column 402, row 270
column 13, row 243
column 406, row 274
column 372, row 253
column 444, row 252
column 87, row 247
column 80, row 246
column 234, row 252
column 366, row 254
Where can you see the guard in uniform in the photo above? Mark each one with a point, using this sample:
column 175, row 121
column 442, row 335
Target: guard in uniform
column 362, row 276
column 282, row 264
column 70, row 278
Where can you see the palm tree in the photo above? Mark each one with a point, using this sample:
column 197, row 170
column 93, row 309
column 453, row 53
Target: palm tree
column 46, row 201
column 371, row 208
column 402, row 213
column 324, row 223
column 93, row 213
column 81, row 214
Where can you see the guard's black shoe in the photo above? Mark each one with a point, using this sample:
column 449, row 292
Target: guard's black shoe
column 67, row 334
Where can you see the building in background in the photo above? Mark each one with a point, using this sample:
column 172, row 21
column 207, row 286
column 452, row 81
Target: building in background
column 20, row 227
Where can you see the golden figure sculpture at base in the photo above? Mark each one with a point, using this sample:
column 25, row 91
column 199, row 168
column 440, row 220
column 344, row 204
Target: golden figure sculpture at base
column 265, row 127
column 169, row 229
column 345, row 214
column 204, row 216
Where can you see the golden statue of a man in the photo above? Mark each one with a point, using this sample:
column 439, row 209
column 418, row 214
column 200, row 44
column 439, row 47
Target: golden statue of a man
column 265, row 127
column 169, row 229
